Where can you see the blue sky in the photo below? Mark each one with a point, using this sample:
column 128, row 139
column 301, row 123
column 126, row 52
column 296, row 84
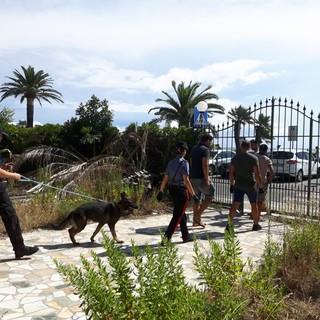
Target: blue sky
column 129, row 51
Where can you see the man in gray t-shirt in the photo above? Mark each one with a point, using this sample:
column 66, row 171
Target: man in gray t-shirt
column 266, row 170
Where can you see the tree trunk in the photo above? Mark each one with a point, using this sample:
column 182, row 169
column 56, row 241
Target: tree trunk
column 30, row 112
column 258, row 134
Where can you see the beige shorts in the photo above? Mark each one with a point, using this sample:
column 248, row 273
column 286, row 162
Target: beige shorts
column 262, row 197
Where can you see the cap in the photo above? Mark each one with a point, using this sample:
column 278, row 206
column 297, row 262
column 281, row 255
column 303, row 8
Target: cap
column 2, row 132
column 182, row 145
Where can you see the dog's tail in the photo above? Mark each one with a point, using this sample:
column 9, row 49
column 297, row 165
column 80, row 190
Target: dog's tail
column 62, row 225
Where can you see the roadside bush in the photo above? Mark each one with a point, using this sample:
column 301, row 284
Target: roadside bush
column 220, row 274
column 237, row 290
column 298, row 261
column 150, row 284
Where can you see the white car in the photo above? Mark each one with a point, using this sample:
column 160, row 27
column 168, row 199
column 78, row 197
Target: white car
column 218, row 157
column 294, row 163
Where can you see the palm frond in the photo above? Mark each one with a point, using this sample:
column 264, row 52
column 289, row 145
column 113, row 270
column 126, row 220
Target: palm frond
column 43, row 155
column 30, row 85
column 181, row 110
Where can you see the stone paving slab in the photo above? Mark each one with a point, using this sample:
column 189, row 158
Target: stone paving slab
column 32, row 289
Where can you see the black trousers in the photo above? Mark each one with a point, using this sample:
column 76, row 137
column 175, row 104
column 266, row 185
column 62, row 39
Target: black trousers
column 10, row 219
column 180, row 198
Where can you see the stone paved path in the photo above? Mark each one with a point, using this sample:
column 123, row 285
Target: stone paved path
column 31, row 288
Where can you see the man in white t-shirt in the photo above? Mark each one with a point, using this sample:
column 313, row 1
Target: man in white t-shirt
column 266, row 170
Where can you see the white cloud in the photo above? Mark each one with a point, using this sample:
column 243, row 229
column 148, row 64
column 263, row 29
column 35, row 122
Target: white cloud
column 134, row 29
column 119, row 106
column 129, row 51
column 91, row 72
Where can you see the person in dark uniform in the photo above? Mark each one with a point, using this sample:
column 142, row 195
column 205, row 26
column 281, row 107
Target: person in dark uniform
column 9, row 215
column 180, row 189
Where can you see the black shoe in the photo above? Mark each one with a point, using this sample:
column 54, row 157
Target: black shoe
column 256, row 227
column 189, row 239
column 26, row 251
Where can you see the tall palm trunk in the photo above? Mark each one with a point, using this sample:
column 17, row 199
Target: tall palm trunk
column 258, row 134
column 30, row 112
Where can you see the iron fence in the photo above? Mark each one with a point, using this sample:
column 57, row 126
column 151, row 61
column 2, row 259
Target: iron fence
column 283, row 126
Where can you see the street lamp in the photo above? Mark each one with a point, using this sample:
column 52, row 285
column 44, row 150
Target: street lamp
column 202, row 107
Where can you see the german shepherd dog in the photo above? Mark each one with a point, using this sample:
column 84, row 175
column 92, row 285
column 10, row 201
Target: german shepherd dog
column 101, row 212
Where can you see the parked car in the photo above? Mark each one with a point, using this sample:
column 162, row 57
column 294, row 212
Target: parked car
column 219, row 157
column 295, row 163
column 224, row 169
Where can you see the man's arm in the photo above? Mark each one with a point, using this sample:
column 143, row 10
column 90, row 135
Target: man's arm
column 271, row 173
column 257, row 175
column 164, row 182
column 9, row 175
column 188, row 184
column 231, row 175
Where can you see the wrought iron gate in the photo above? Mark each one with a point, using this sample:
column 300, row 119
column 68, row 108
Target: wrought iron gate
column 290, row 128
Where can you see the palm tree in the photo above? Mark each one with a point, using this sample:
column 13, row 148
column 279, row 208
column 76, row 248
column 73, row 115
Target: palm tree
column 30, row 85
column 239, row 116
column 263, row 128
column 181, row 109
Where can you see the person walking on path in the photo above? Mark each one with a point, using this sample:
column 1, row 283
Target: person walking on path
column 244, row 174
column 266, row 170
column 9, row 215
column 199, row 177
column 180, row 189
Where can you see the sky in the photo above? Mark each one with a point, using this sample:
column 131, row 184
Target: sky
column 128, row 52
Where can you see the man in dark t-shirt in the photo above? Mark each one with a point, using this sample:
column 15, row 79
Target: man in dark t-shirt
column 244, row 177
column 199, row 177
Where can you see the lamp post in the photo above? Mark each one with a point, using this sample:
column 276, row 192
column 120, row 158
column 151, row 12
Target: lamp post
column 200, row 115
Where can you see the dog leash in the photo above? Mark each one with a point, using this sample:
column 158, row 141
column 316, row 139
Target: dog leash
column 25, row 179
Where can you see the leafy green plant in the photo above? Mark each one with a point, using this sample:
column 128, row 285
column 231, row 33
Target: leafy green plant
column 162, row 287
column 221, row 271
column 264, row 291
column 149, row 285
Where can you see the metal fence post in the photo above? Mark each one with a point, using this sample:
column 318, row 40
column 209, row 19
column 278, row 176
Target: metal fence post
column 309, row 164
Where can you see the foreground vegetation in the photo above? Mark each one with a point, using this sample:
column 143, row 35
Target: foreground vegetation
column 150, row 282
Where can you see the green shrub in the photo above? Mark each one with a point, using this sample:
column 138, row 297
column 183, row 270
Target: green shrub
column 221, row 271
column 150, row 285
column 298, row 260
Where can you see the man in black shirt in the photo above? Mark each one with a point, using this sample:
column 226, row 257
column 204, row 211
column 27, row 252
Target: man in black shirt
column 199, row 177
